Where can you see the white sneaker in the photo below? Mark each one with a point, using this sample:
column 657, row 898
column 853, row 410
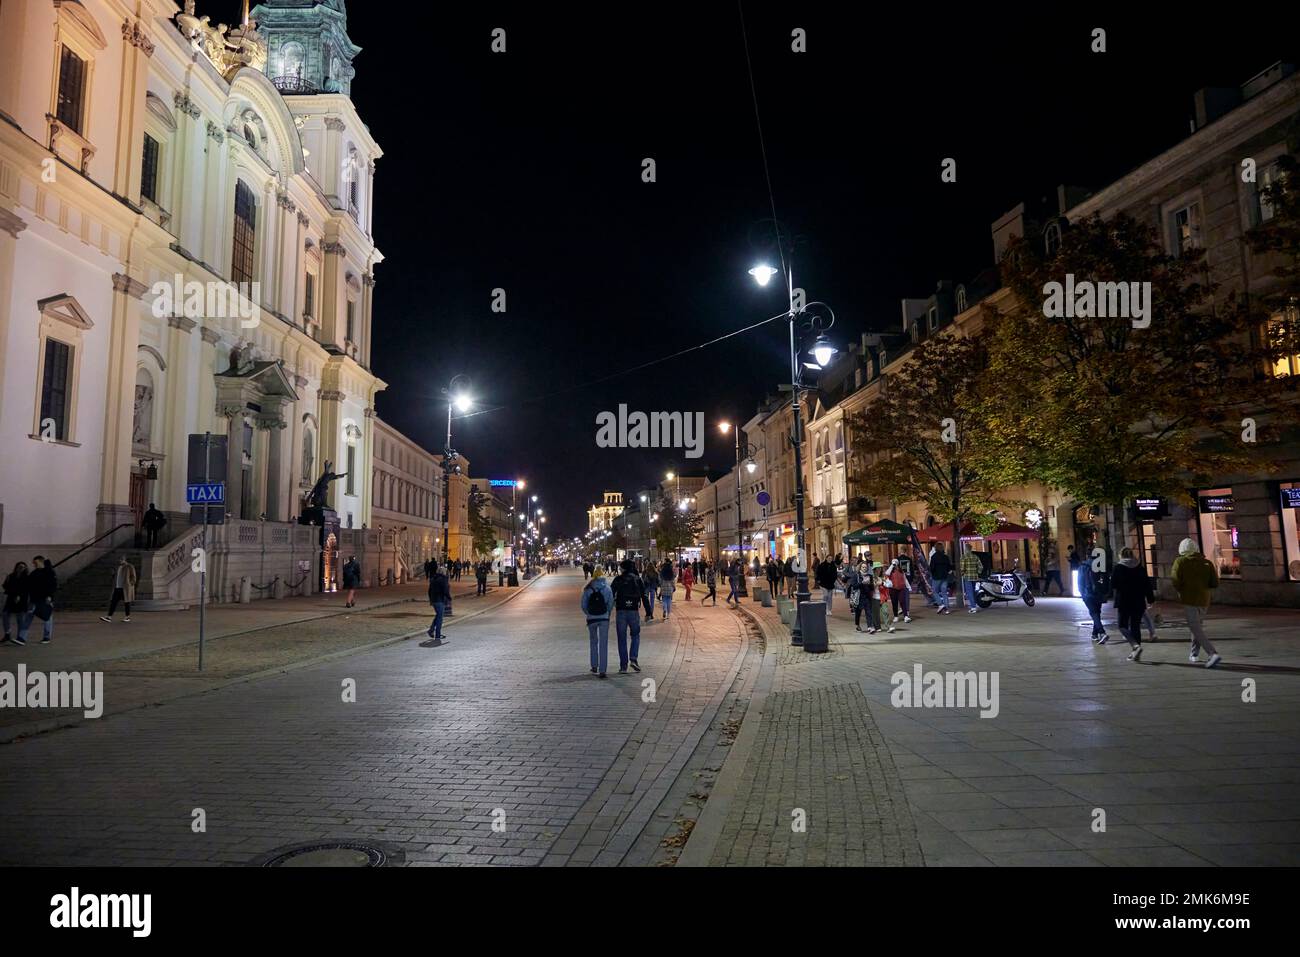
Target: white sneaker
column 1193, row 657
column 1214, row 660
column 891, row 627
column 1136, row 655
column 972, row 610
column 907, row 618
column 106, row 618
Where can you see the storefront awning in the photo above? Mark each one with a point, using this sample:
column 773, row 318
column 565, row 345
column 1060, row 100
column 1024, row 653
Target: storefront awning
column 883, row 532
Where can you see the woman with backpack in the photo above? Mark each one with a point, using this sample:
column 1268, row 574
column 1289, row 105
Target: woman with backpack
column 597, row 605
column 650, row 581
column 1133, row 593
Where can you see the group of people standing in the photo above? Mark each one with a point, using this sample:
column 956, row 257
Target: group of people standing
column 28, row 595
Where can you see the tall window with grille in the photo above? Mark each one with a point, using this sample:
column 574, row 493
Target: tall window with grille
column 149, row 170
column 352, row 312
column 55, row 384
column 241, row 263
column 71, row 109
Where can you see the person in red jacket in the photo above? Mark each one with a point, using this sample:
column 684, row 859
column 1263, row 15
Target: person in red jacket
column 688, row 579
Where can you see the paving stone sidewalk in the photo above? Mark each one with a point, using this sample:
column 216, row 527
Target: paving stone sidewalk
column 1185, row 770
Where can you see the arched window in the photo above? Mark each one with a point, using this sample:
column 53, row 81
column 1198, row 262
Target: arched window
column 961, row 299
column 1052, row 239
column 839, row 442
column 241, row 262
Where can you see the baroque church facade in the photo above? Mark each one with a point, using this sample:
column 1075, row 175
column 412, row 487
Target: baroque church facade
column 185, row 247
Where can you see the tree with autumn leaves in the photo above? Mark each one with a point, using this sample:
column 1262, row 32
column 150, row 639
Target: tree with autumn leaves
column 922, row 438
column 1106, row 408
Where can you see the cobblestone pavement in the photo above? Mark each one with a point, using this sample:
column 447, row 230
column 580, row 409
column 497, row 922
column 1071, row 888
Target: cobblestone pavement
column 1185, row 770
column 501, row 725
column 160, row 662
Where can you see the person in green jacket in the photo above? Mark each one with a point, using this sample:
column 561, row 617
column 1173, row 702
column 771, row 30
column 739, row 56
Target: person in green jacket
column 1194, row 577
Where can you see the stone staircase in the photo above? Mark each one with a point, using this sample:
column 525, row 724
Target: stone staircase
column 91, row 588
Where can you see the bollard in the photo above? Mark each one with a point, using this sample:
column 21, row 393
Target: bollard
column 785, row 608
column 812, row 622
column 277, row 588
column 767, row 599
column 245, row 590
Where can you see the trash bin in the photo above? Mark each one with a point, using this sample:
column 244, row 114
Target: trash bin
column 812, row 621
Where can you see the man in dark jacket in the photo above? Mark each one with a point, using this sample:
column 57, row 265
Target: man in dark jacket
column 940, row 572
column 154, row 522
column 439, row 598
column 42, row 583
column 1133, row 592
column 1095, row 588
column 629, row 597
column 826, row 575
column 480, row 575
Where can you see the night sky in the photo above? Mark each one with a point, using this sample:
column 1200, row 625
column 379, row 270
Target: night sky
column 523, row 171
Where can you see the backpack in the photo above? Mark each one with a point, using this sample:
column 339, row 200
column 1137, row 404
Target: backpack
column 596, row 606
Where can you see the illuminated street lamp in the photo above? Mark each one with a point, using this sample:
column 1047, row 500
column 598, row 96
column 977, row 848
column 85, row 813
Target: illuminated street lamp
column 823, row 352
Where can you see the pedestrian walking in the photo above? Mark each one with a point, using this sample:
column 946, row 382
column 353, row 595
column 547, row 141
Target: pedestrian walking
column 1052, row 569
column 597, row 605
column 1095, row 587
column 734, row 579
column 1133, row 593
column 650, row 582
column 853, row 590
column 826, row 577
column 881, row 601
column 900, row 590
column 42, row 583
column 788, row 577
column 711, row 580
column 351, row 580
column 688, row 579
column 971, row 572
column 629, row 594
column 439, row 598
column 17, row 600
column 940, row 573
column 481, row 576
column 124, row 581
column 666, row 589
column 1194, row 578
column 154, row 522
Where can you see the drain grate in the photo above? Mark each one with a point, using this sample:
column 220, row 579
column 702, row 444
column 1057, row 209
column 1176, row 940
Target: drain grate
column 332, row 853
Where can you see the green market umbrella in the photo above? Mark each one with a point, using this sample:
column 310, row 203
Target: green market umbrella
column 883, row 532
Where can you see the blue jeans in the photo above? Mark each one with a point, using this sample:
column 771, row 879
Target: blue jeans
column 625, row 621
column 968, row 586
column 650, row 607
column 23, row 618
column 1094, row 609
column 598, row 632
column 668, row 603
column 941, row 593
column 435, row 628
column 735, row 592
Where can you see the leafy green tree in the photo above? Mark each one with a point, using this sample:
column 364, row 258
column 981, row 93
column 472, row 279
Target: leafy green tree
column 676, row 527
column 1105, row 408
column 1276, row 243
column 481, row 531
column 920, row 440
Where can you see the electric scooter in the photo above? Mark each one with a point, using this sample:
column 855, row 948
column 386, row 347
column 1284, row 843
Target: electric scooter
column 1010, row 586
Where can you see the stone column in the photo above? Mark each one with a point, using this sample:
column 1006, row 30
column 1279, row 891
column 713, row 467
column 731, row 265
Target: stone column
column 11, row 224
column 234, row 415
column 129, row 160
column 180, row 393
column 272, row 423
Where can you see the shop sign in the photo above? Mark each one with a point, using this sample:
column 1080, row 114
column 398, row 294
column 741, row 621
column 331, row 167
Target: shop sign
column 1291, row 498
column 1216, row 503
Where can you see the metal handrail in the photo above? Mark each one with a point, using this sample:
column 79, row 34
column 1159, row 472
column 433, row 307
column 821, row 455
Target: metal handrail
column 92, row 544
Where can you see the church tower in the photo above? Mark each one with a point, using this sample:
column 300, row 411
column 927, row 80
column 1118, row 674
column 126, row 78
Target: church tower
column 308, row 48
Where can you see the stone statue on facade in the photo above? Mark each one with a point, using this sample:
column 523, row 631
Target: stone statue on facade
column 316, row 498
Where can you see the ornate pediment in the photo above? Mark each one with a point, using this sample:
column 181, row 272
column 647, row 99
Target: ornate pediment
column 65, row 308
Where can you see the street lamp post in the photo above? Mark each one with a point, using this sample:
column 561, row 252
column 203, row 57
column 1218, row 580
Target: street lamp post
column 740, row 543
column 460, row 400
column 823, row 351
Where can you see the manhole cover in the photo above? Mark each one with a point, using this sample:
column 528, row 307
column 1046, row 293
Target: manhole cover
column 331, row 854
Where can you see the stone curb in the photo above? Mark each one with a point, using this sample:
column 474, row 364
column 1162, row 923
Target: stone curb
column 704, row 837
